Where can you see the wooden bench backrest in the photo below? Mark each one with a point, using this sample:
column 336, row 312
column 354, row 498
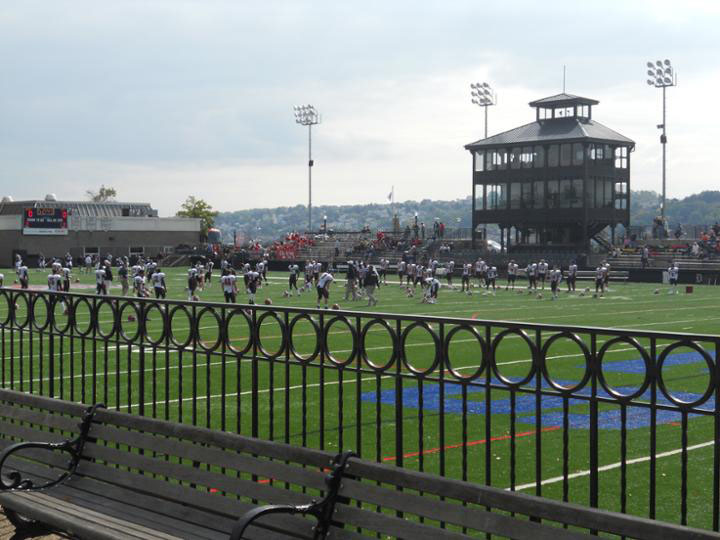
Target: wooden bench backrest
column 215, row 474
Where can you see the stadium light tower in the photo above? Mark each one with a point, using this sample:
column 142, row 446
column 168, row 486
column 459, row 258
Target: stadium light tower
column 662, row 75
column 307, row 115
column 483, row 96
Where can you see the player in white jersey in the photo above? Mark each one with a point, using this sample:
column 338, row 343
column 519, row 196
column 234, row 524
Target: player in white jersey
column 323, row 288
column 512, row 270
column 555, row 279
column 401, row 266
column 192, row 283
column 600, row 280
column 18, row 262
column 292, row 279
column 466, row 271
column 542, row 269
column 606, row 265
column 420, row 274
column 158, row 281
column 571, row 276
column 260, row 269
column 56, row 267
column 228, row 282
column 209, row 271
column 491, row 278
column 317, row 271
column 2, row 280
column 41, row 262
column 433, row 266
column 383, row 270
column 409, row 273
column 531, row 270
column 673, row 275
column 123, row 276
column 139, row 285
column 449, row 269
column 66, row 279
column 362, row 272
column 200, row 276
column 253, row 280
column 100, row 281
column 88, row 264
column 23, row 276
column 432, row 286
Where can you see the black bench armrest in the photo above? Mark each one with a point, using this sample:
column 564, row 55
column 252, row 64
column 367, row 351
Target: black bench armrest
column 321, row 510
column 74, row 447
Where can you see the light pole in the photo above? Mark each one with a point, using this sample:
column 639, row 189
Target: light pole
column 483, row 96
column 662, row 75
column 307, row 115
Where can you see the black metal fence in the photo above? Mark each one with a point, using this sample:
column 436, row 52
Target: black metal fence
column 622, row 420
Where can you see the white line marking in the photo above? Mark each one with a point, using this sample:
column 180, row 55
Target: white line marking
column 612, row 466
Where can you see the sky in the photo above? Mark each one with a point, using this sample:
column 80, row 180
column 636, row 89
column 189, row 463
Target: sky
column 162, row 99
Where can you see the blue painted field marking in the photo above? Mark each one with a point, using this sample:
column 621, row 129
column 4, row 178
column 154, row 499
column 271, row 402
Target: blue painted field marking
column 637, row 417
column 636, row 366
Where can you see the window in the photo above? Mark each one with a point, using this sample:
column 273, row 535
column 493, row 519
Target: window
column 590, row 193
column 526, row 198
column 479, row 197
column 497, row 197
column 607, row 198
column 538, row 194
column 553, row 155
column 479, row 161
column 91, row 251
column 489, row 165
column 621, row 198
column 499, row 159
column 621, row 157
column 583, row 111
column 515, row 196
column 576, row 200
column 539, row 157
column 597, row 152
column 565, row 154
column 526, row 157
column 578, row 154
column 565, row 193
column 544, row 113
column 564, row 112
column 137, row 250
column 515, row 158
column 553, row 199
column 598, row 193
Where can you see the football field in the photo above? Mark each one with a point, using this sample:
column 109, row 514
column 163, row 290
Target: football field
column 378, row 388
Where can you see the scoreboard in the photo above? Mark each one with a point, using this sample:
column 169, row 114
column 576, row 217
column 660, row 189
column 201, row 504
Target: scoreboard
column 45, row 221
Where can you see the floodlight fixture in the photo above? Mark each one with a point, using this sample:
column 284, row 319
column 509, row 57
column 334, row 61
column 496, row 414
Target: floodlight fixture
column 307, row 115
column 482, row 95
column 662, row 75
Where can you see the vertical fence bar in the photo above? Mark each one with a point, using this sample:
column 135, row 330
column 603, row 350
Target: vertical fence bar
column 653, row 428
column 398, row 375
column 594, row 458
column 537, row 362
column 716, row 446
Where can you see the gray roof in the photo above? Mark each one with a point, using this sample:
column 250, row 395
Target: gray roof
column 82, row 208
column 558, row 129
column 559, row 100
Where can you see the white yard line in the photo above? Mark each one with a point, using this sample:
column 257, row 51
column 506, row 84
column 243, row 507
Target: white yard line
column 611, row 466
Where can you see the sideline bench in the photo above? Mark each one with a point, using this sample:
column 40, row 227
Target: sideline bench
column 132, row 477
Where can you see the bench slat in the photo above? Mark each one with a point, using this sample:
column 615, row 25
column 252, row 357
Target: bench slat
column 193, row 475
column 435, row 509
column 221, row 439
column 311, row 478
column 522, row 503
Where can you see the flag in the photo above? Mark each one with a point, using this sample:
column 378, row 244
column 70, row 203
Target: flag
column 390, row 196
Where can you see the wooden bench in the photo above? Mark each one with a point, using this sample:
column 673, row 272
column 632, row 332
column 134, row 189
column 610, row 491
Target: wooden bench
column 131, row 477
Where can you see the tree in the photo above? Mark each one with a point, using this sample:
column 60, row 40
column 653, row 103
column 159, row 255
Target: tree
column 104, row 194
column 198, row 208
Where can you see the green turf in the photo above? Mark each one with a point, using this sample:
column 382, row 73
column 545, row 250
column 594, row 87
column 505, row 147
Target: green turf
column 165, row 379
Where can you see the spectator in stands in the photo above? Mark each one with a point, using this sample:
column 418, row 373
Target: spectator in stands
column 645, row 257
column 441, row 230
column 422, row 230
